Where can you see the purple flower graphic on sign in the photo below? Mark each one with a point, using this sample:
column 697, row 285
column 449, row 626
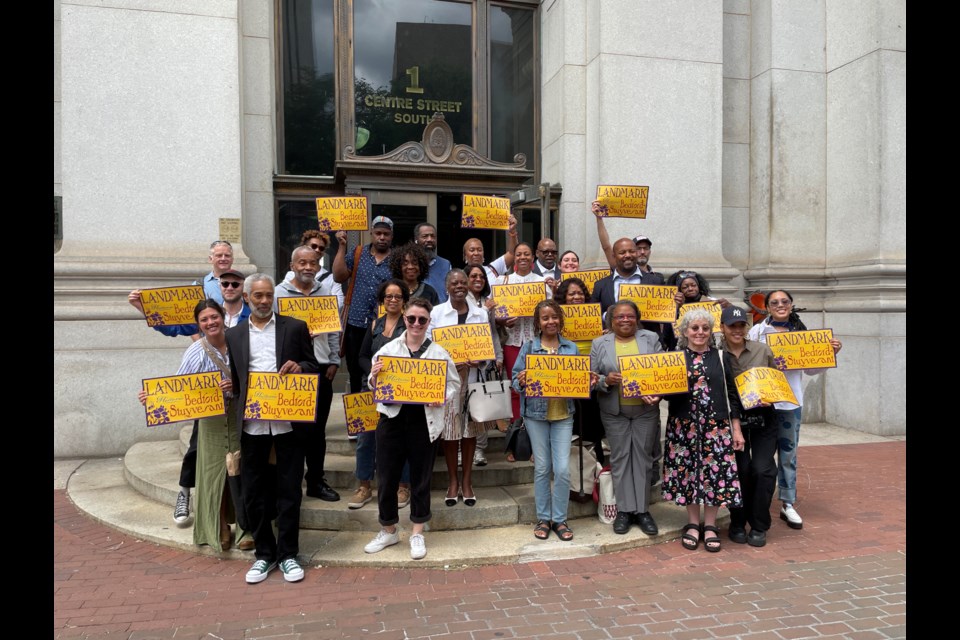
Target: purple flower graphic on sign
column 155, row 319
column 468, row 222
column 157, row 415
column 355, row 426
column 385, row 392
column 604, row 210
column 501, row 311
column 631, row 389
column 534, row 390
column 253, row 410
column 324, row 224
column 780, row 363
column 751, row 400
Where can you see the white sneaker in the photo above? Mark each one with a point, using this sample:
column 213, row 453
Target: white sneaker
column 181, row 510
column 259, row 571
column 418, row 548
column 383, row 540
column 793, row 519
column 479, row 460
column 292, row 572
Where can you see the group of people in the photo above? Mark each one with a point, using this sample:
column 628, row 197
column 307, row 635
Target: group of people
column 392, row 298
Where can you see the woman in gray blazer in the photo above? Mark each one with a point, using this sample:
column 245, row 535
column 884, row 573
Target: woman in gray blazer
column 632, row 425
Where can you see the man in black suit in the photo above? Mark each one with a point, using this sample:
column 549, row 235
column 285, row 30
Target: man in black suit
column 628, row 271
column 266, row 342
column 546, row 262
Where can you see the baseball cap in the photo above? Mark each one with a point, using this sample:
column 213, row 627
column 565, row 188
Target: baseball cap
column 382, row 221
column 642, row 238
column 233, row 272
column 733, row 315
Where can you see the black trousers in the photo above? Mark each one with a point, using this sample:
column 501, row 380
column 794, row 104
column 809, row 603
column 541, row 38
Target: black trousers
column 399, row 440
column 351, row 353
column 758, row 477
column 316, row 433
column 269, row 491
column 588, row 425
column 188, row 468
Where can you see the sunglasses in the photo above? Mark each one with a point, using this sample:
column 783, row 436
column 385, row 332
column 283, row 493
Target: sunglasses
column 420, row 320
column 780, row 303
column 230, row 284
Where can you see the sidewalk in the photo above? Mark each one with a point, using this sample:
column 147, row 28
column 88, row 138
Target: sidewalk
column 841, row 576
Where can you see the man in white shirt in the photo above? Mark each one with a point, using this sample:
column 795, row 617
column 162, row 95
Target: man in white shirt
column 267, row 342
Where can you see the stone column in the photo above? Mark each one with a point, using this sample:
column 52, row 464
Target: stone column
column 151, row 159
column 642, row 103
column 827, row 191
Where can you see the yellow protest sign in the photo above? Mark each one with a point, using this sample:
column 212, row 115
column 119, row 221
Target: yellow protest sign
column 347, row 213
column 802, row 349
column 321, row 313
column 465, row 342
column 655, row 301
column 170, row 305
column 411, row 381
column 550, row 376
column 589, row 277
column 517, row 300
column 712, row 307
column 271, row 396
column 763, row 384
column 581, row 321
column 622, row 201
column 653, row 374
column 485, row 212
column 188, row 397
column 361, row 412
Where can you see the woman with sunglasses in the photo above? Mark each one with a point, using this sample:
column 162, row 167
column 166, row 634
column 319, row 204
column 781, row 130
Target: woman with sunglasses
column 703, row 432
column 409, row 433
column 392, row 294
column 216, row 436
column 459, row 433
column 782, row 317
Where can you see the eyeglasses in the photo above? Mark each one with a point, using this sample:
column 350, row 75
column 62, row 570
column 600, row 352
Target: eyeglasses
column 316, row 247
column 699, row 329
column 230, row 284
column 393, row 296
column 785, row 302
column 625, row 316
column 420, row 320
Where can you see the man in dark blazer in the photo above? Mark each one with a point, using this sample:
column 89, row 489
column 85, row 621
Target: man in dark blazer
column 628, row 271
column 266, row 342
column 546, row 263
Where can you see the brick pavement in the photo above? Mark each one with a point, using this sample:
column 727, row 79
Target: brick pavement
column 842, row 576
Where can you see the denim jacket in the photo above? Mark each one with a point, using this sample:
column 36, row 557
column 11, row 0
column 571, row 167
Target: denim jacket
column 536, row 408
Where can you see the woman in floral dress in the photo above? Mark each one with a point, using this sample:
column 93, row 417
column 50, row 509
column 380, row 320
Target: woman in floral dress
column 699, row 464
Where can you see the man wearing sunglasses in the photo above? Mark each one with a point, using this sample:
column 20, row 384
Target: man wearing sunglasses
column 546, row 262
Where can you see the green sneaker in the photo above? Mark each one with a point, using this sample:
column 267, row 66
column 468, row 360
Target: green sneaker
column 291, row 570
column 260, row 570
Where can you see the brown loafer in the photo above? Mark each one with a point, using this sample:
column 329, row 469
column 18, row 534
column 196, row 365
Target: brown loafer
column 246, row 544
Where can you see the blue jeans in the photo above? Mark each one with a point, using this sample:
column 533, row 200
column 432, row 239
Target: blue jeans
column 367, row 458
column 788, row 438
column 551, row 452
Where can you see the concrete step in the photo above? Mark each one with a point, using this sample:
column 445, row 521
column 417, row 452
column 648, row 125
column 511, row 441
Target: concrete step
column 99, row 489
column 153, row 469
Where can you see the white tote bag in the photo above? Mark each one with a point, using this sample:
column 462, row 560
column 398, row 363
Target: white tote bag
column 489, row 399
column 603, row 495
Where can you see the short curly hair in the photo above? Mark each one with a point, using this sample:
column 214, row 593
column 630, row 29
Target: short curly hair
column 401, row 252
column 546, row 304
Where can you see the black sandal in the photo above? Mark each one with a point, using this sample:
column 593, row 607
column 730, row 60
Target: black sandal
column 541, row 531
column 564, row 532
column 711, row 544
column 690, row 542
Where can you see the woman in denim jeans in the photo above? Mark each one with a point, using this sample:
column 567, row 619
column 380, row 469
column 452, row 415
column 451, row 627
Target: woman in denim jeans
column 549, row 422
column 782, row 317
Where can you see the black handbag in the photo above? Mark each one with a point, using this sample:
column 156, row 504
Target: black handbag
column 518, row 441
